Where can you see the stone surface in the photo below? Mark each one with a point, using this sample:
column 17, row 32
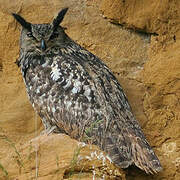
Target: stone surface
column 148, row 67
column 149, row 16
column 58, row 157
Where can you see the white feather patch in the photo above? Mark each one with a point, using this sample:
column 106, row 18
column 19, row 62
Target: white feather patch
column 77, row 87
column 55, row 73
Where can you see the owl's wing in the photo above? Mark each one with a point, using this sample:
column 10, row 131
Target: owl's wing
column 94, row 105
column 125, row 141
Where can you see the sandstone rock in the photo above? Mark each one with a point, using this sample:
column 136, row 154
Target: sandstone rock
column 148, row 16
column 147, row 67
column 58, row 157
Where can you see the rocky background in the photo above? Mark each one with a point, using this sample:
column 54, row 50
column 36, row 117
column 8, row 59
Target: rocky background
column 140, row 41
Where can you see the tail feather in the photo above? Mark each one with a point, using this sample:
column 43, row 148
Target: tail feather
column 130, row 149
column 144, row 157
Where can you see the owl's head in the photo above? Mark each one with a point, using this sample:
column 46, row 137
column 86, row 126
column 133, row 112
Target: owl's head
column 41, row 37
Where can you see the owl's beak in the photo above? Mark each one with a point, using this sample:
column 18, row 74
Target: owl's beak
column 43, row 45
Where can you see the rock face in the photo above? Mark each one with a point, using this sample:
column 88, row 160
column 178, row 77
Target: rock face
column 147, row 66
column 59, row 157
column 147, row 16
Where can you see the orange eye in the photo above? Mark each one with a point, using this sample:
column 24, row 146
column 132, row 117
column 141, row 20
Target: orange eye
column 54, row 35
column 29, row 34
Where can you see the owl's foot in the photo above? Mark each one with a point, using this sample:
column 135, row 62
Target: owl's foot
column 49, row 130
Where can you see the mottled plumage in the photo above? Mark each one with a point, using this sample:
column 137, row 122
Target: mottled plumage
column 74, row 92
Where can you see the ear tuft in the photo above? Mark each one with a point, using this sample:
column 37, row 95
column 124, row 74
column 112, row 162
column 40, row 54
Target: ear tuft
column 22, row 21
column 59, row 17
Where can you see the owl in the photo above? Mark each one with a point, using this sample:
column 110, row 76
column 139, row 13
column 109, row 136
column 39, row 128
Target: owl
column 75, row 93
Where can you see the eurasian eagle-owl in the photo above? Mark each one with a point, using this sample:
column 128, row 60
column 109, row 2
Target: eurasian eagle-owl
column 74, row 92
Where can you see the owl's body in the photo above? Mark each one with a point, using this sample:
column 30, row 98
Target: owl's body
column 74, row 92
